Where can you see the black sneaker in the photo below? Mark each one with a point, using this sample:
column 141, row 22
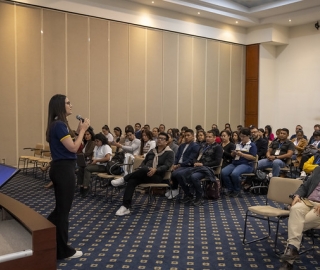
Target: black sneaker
column 229, row 193
column 81, row 190
column 197, row 202
column 186, row 199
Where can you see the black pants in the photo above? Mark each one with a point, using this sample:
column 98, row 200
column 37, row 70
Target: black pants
column 136, row 178
column 62, row 174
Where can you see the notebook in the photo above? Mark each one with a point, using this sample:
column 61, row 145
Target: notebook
column 6, row 173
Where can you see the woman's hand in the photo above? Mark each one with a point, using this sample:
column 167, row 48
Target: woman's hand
column 84, row 125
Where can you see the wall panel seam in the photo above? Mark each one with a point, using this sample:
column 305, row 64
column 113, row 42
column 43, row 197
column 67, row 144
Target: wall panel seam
column 146, row 74
column 89, row 65
column 42, row 78
column 16, row 79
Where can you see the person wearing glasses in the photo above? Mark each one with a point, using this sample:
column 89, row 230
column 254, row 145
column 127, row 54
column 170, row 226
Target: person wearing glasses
column 151, row 170
column 243, row 157
column 62, row 172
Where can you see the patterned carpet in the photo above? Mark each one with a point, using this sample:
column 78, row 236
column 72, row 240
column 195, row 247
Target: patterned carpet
column 163, row 235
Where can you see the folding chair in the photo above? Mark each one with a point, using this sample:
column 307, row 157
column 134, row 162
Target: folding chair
column 279, row 190
column 37, row 154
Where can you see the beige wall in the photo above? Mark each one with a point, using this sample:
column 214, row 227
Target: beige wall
column 114, row 73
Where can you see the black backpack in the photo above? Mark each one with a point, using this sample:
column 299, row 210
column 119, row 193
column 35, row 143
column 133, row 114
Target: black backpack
column 114, row 166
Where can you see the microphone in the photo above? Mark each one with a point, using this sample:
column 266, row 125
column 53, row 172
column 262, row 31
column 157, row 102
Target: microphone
column 80, row 118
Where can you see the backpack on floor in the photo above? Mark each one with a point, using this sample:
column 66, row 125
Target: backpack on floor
column 213, row 190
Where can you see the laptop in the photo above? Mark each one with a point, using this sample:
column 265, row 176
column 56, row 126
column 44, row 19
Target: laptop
column 81, row 161
column 6, row 173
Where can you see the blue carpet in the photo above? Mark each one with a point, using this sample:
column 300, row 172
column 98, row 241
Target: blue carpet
column 178, row 237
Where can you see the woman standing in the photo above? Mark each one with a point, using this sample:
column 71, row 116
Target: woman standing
column 62, row 172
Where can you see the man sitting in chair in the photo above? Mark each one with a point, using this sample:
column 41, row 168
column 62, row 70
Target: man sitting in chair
column 304, row 215
column 152, row 170
column 184, row 159
column 279, row 151
column 210, row 155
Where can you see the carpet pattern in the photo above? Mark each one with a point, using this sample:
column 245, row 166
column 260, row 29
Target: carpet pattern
column 162, row 235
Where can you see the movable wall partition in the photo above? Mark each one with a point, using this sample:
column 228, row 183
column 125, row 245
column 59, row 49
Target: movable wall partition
column 114, row 73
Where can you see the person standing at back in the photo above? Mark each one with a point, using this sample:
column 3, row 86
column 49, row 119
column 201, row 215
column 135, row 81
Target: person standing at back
column 62, row 172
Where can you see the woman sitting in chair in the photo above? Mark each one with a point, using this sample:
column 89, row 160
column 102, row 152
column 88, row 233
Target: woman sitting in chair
column 102, row 153
column 147, row 143
column 243, row 158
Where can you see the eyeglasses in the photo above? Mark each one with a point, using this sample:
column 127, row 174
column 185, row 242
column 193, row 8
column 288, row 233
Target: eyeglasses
column 162, row 139
column 68, row 103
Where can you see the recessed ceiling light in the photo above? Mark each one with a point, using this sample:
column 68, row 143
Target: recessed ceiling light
column 198, row 12
column 236, row 21
column 289, row 20
column 152, row 2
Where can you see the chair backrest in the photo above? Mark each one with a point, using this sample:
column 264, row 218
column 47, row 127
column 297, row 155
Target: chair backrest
column 167, row 175
column 217, row 170
column 280, row 188
column 114, row 149
column 255, row 164
column 38, row 150
column 137, row 162
column 46, row 151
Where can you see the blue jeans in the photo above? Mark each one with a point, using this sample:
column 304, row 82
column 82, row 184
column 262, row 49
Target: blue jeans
column 276, row 165
column 230, row 175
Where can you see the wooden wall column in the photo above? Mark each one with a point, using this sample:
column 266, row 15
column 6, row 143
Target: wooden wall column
column 252, row 85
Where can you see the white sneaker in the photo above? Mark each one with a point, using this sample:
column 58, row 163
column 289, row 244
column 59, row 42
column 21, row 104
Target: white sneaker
column 118, row 182
column 78, row 254
column 167, row 194
column 123, row 211
column 174, row 193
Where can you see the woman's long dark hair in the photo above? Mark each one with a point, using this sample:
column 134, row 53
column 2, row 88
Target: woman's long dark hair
column 57, row 111
column 92, row 135
column 149, row 135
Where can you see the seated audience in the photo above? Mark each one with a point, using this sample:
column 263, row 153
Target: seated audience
column 239, row 127
column 227, row 126
column 131, row 144
column 147, row 143
column 268, row 133
column 162, row 128
column 227, row 147
column 118, row 137
column 152, row 170
column 155, row 133
column 278, row 153
column 106, row 132
column 217, row 133
column 174, row 147
column 235, row 137
column 210, row 155
column 146, row 127
column 312, row 163
column 102, row 153
column 309, row 154
column 300, row 143
column 137, row 130
column 88, row 144
column 214, row 126
column 298, row 127
column 316, row 128
column 261, row 144
column 244, row 155
column 187, row 154
column 201, row 137
column 303, row 217
column 181, row 135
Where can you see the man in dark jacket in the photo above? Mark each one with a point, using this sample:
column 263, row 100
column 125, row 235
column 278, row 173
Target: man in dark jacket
column 184, row 159
column 261, row 144
column 152, row 170
column 210, row 155
column 304, row 215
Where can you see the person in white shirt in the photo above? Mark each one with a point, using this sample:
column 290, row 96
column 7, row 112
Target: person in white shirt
column 106, row 132
column 131, row 144
column 102, row 153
